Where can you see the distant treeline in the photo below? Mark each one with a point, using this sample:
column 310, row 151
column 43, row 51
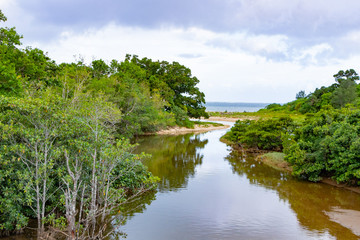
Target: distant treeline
column 321, row 136
column 65, row 157
column 345, row 91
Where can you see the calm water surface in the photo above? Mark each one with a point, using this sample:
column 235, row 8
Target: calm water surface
column 209, row 191
column 234, row 107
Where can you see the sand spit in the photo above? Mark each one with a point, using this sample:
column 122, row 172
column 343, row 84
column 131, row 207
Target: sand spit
column 229, row 119
column 184, row 130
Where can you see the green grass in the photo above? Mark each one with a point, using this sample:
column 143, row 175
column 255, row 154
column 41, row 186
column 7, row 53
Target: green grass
column 297, row 117
column 208, row 124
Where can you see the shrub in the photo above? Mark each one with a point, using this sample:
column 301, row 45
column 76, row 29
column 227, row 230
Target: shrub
column 261, row 134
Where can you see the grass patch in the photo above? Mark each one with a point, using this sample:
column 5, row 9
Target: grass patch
column 208, row 124
column 259, row 114
column 275, row 160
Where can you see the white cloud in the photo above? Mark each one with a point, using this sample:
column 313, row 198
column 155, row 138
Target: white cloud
column 236, row 72
column 313, row 54
column 258, row 44
column 310, row 16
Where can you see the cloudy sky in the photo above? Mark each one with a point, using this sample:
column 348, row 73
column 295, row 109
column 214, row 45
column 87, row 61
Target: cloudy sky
column 241, row 50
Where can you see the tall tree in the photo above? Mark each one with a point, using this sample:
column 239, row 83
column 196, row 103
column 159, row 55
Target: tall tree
column 344, row 94
column 350, row 74
column 175, row 83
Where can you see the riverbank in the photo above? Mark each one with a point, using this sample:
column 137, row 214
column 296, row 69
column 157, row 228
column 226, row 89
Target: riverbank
column 345, row 217
column 198, row 128
column 194, row 167
column 276, row 160
column 199, row 158
column 231, row 119
column 256, row 115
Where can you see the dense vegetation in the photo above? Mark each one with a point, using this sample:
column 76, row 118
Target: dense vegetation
column 344, row 91
column 65, row 157
column 327, row 144
column 261, row 134
column 322, row 140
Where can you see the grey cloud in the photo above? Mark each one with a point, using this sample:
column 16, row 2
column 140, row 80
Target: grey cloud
column 298, row 18
column 82, row 14
column 306, row 23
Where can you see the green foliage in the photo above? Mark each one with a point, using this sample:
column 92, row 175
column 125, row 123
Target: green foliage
column 346, row 75
column 207, row 124
column 175, row 83
column 36, row 133
column 326, row 145
column 19, row 68
column 261, row 134
column 274, row 107
column 10, row 83
column 181, row 117
column 61, row 120
column 2, row 17
column 142, row 111
column 344, row 94
column 37, row 68
column 138, row 176
column 151, row 95
column 28, row 128
column 12, row 216
column 56, row 222
column 344, row 91
column 300, row 94
column 100, row 68
column 9, row 38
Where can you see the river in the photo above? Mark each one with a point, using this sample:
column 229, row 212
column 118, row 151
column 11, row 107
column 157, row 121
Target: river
column 209, row 191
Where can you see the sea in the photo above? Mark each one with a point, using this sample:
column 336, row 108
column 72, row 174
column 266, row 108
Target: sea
column 234, row 106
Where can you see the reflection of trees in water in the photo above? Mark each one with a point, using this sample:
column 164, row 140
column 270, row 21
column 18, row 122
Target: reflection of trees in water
column 174, row 158
column 308, row 200
column 136, row 205
column 127, row 211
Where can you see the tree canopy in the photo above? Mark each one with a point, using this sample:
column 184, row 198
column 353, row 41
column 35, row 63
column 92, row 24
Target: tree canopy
column 65, row 155
column 325, row 144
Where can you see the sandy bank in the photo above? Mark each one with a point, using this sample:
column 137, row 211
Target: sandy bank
column 347, row 218
column 229, row 119
column 184, row 130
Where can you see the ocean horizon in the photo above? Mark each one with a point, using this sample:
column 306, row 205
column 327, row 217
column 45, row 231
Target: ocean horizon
column 234, row 106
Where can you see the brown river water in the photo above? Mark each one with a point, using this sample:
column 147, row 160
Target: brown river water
column 210, row 191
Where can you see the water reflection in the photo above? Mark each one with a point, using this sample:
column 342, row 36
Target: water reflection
column 174, row 158
column 137, row 205
column 226, row 194
column 309, row 201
